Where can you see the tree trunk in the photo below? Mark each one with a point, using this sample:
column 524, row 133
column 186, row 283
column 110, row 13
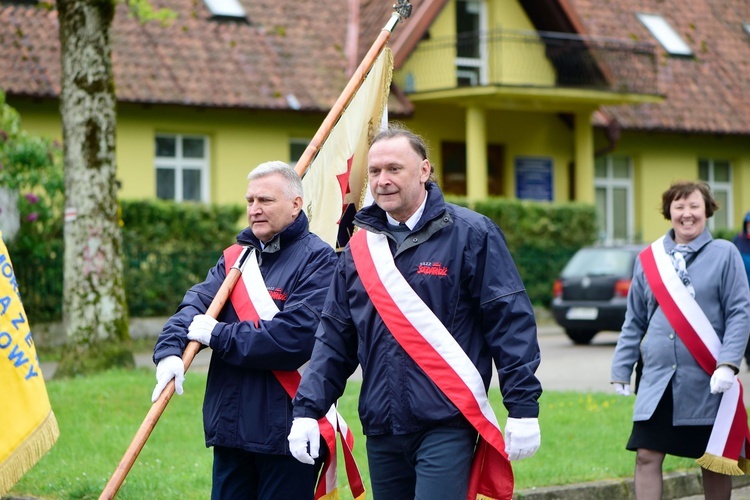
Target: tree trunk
column 94, row 308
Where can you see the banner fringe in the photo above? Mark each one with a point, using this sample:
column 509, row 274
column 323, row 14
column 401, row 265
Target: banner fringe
column 28, row 453
column 720, row 465
column 744, row 464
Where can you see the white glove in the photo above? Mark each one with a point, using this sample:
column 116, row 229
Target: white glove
column 522, row 437
column 622, row 389
column 200, row 329
column 304, row 431
column 169, row 368
column 722, row 379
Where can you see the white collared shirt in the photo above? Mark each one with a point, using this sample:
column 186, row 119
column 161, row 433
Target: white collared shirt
column 411, row 221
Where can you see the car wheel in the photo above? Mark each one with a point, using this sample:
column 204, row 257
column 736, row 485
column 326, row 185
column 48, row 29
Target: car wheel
column 580, row 337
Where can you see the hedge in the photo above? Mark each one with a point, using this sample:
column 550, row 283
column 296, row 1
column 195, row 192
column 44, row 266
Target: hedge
column 170, row 246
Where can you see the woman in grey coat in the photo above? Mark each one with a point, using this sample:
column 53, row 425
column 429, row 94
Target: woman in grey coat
column 677, row 397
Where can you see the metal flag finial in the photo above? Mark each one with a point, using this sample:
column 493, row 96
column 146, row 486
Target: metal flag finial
column 403, row 8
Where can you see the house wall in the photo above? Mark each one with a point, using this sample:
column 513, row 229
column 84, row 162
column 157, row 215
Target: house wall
column 242, row 139
column 520, row 133
column 512, row 60
column 661, row 158
column 40, row 117
column 517, row 61
column 238, row 141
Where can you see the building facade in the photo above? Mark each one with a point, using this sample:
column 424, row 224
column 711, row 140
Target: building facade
column 546, row 100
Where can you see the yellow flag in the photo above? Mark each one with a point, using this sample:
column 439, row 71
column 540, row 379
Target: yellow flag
column 28, row 427
column 336, row 180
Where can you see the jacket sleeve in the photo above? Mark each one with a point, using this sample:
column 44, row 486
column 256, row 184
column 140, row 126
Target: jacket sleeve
column 173, row 338
column 633, row 328
column 735, row 304
column 508, row 322
column 334, row 357
column 284, row 342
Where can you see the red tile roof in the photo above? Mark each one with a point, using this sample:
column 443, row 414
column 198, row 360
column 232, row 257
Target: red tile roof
column 288, row 48
column 30, row 61
column 292, row 48
column 709, row 93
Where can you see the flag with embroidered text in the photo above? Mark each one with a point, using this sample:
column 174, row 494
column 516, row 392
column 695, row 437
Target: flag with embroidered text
column 336, row 181
column 28, row 428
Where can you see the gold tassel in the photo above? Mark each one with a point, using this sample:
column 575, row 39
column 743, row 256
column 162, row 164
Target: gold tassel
column 362, row 496
column 720, row 465
column 28, row 453
column 744, row 464
column 484, row 497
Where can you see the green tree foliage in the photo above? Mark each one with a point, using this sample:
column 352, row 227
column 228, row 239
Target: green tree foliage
column 32, row 166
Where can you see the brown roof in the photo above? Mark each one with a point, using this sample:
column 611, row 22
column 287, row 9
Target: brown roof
column 291, row 48
column 709, row 93
column 287, row 48
column 30, row 62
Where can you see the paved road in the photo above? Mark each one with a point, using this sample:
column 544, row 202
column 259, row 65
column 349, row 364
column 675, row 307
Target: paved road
column 565, row 366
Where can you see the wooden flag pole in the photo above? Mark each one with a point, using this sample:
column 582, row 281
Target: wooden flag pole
column 148, row 424
column 402, row 11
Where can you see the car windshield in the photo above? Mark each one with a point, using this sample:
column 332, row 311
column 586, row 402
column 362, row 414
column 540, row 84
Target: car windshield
column 599, row 262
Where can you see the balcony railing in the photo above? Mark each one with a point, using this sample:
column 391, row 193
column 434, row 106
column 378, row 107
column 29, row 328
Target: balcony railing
column 530, row 59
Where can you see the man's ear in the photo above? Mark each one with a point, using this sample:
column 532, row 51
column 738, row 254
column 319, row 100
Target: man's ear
column 297, row 205
column 425, row 169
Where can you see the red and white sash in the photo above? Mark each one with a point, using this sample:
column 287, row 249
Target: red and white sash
column 252, row 302
column 421, row 334
column 728, row 444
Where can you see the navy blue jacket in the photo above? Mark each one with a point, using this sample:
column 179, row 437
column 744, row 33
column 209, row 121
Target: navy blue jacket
column 742, row 240
column 245, row 407
column 480, row 299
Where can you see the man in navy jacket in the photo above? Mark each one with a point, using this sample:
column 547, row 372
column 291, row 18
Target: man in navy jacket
column 246, row 411
column 419, row 443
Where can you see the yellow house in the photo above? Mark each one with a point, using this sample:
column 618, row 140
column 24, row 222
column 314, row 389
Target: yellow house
column 551, row 100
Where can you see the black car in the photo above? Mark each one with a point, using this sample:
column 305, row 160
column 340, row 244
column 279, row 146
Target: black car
column 591, row 293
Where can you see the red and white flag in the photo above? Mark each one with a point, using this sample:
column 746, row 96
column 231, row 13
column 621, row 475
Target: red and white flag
column 335, row 184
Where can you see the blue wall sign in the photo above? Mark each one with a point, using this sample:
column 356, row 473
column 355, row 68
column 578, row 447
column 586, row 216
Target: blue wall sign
column 533, row 178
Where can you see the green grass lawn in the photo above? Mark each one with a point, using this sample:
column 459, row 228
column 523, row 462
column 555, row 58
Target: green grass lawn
column 583, row 438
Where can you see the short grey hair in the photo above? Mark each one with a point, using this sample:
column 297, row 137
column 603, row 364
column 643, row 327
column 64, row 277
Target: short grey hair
column 294, row 183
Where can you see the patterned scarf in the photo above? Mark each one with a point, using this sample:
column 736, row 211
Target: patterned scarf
column 677, row 255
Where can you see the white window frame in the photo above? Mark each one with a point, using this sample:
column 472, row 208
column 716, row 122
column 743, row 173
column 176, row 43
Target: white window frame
column 464, row 65
column 665, row 34
column 609, row 183
column 179, row 164
column 723, row 187
column 226, row 8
